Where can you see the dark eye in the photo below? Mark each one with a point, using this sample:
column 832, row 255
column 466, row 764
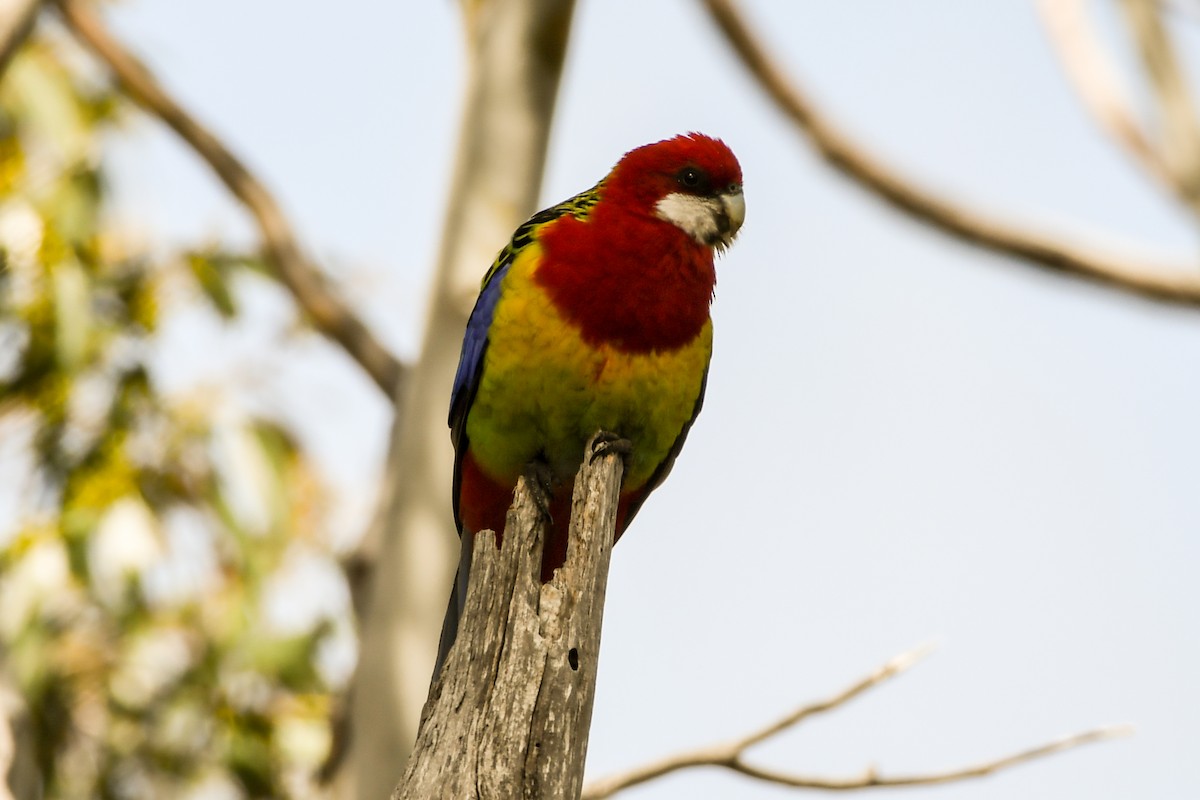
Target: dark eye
column 690, row 178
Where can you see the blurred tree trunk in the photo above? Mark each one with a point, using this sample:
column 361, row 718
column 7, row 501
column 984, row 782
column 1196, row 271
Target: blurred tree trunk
column 516, row 50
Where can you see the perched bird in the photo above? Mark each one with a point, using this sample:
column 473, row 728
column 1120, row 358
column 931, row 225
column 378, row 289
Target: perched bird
column 594, row 317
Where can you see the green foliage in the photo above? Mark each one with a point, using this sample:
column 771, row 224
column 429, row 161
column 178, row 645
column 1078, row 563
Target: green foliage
column 146, row 670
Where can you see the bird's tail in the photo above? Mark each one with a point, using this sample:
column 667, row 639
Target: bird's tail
column 454, row 608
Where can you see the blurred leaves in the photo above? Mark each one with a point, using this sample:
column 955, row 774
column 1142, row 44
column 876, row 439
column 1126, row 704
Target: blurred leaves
column 214, row 271
column 134, row 566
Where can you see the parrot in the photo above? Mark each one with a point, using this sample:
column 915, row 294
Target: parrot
column 594, row 317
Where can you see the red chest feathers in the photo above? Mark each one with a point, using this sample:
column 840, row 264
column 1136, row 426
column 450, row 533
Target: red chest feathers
column 634, row 282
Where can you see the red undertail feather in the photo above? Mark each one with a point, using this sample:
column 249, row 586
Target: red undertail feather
column 483, row 505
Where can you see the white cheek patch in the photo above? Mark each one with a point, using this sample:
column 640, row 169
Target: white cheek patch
column 695, row 216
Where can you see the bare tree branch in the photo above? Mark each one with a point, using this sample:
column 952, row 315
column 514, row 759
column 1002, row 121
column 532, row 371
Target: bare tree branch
column 731, row 755
column 510, row 713
column 870, row 778
column 1179, row 137
column 1169, row 283
column 16, row 22
column 311, row 291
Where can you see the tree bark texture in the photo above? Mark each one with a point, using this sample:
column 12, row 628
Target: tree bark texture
column 509, row 716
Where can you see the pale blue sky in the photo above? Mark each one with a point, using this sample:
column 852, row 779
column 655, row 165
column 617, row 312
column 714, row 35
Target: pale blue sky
column 904, row 439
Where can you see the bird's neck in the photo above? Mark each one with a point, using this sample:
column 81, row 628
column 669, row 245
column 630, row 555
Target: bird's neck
column 630, row 281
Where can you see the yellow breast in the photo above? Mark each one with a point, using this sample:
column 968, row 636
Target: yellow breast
column 544, row 390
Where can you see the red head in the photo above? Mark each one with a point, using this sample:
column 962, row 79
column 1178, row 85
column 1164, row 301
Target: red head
column 692, row 181
column 637, row 273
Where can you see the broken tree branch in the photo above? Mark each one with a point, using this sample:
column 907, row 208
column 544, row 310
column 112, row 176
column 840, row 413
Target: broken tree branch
column 510, row 712
column 1177, row 284
column 328, row 313
column 731, row 755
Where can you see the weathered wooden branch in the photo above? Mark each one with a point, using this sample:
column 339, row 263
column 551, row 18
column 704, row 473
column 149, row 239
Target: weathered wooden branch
column 329, row 314
column 510, row 713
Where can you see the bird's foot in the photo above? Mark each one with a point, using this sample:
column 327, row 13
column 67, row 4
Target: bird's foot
column 607, row 442
column 540, row 480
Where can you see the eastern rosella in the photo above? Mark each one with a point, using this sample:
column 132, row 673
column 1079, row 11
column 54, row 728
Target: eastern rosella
column 594, row 317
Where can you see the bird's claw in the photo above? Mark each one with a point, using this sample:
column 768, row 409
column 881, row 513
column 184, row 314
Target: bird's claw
column 607, row 442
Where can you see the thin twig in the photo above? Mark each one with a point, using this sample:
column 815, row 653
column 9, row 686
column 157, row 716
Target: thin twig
column 1168, row 283
column 885, row 672
column 328, row 313
column 731, row 755
column 1179, row 135
column 870, row 778
column 728, row 754
column 1095, row 80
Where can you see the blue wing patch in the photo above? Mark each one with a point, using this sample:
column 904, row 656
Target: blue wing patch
column 475, row 340
column 470, row 365
column 470, row 362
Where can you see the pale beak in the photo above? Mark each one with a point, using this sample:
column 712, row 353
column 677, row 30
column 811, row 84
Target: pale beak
column 733, row 214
